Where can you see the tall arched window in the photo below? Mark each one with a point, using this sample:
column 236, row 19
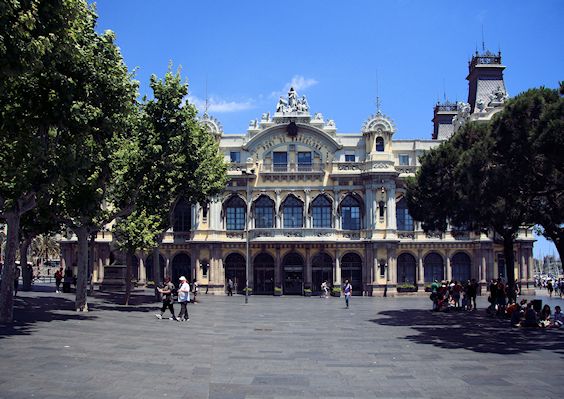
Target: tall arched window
column 433, row 267
column 380, row 144
column 407, row 267
column 236, row 212
column 461, row 267
column 293, row 212
column 321, row 211
column 264, row 212
column 350, row 213
column 403, row 218
column 182, row 216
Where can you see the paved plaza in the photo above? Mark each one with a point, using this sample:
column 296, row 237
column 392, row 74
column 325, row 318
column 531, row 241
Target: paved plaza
column 287, row 347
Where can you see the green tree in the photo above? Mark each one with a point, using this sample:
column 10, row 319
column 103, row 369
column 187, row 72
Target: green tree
column 44, row 50
column 185, row 157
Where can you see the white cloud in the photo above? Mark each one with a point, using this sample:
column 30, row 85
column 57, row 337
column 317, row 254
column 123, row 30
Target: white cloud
column 298, row 82
column 220, row 106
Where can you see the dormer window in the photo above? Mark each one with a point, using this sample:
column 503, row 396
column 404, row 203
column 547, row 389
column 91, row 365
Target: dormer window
column 349, row 158
column 235, row 157
column 379, row 144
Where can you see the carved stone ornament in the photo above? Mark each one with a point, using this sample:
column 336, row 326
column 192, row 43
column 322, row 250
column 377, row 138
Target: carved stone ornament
column 292, row 105
column 462, row 116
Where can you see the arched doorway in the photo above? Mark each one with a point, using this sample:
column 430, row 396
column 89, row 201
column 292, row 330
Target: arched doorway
column 433, row 266
column 321, row 270
column 235, row 270
column 351, row 269
column 293, row 274
column 263, row 269
column 461, row 267
column 149, row 268
column 407, row 269
column 181, row 266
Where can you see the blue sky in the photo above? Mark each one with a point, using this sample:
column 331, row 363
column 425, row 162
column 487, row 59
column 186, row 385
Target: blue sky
column 339, row 54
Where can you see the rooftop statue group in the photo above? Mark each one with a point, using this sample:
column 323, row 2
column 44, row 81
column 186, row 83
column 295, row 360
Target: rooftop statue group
column 292, row 104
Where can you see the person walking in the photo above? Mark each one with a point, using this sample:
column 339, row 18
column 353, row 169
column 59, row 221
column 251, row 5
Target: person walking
column 58, row 280
column 195, row 289
column 183, row 298
column 229, row 287
column 166, row 291
column 325, row 289
column 16, row 280
column 348, row 292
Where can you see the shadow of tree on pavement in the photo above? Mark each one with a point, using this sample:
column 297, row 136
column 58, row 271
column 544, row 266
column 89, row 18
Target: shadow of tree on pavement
column 475, row 331
column 29, row 311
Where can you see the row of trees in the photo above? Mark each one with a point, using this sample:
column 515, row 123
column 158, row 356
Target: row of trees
column 500, row 176
column 77, row 147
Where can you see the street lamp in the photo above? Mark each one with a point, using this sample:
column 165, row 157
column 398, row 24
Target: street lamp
column 249, row 174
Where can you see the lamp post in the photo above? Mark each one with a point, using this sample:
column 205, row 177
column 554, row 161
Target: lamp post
column 248, row 175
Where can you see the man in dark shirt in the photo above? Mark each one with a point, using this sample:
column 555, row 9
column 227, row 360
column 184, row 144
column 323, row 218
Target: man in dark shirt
column 167, row 289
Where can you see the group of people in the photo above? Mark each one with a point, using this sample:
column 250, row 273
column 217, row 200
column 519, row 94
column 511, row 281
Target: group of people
column 523, row 314
column 183, row 293
column 454, row 294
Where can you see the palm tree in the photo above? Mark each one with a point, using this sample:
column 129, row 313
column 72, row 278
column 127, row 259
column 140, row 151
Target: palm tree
column 45, row 247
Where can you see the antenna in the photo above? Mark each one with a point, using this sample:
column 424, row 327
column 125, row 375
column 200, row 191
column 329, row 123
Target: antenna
column 207, row 103
column 444, row 90
column 483, row 42
column 377, row 93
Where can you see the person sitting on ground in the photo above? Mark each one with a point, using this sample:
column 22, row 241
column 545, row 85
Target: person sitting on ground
column 530, row 317
column 515, row 311
column 544, row 319
column 558, row 318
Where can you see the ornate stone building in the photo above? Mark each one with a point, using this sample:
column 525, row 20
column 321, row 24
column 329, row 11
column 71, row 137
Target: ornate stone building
column 306, row 204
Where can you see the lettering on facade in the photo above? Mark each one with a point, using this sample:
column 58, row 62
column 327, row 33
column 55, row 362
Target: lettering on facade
column 303, row 138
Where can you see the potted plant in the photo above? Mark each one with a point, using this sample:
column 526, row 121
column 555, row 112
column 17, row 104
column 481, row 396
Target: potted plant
column 277, row 291
column 428, row 288
column 249, row 290
column 150, row 284
column 407, row 287
column 336, row 291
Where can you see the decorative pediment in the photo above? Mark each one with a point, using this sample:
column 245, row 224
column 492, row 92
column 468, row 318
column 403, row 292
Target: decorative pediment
column 212, row 125
column 378, row 123
column 305, row 134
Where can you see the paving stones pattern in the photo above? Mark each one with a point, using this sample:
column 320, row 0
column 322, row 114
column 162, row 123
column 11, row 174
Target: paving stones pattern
column 271, row 348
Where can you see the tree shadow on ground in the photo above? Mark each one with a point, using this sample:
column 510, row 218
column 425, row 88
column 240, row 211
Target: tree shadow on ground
column 475, row 331
column 42, row 309
column 108, row 300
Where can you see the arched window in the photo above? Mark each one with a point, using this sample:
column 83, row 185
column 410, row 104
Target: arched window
column 381, row 208
column 433, row 267
column 321, row 211
column 181, row 266
column 182, row 216
column 293, row 212
column 379, row 144
column 461, row 267
column 403, row 218
column 235, row 269
column 350, row 213
column 264, row 212
column 406, row 269
column 236, row 213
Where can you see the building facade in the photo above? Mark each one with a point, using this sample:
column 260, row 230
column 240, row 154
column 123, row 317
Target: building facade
column 306, row 204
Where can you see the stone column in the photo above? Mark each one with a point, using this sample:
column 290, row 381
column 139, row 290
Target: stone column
column 370, row 210
column 392, row 264
column 420, row 270
column 307, row 278
column 483, row 275
column 277, row 266
column 448, row 273
column 336, row 219
column 530, row 265
column 307, row 193
column 142, row 270
column 370, row 269
column 195, row 258
column 277, row 213
column 391, row 224
column 337, row 273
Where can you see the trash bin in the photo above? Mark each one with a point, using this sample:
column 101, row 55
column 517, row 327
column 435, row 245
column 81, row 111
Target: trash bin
column 537, row 305
column 66, row 286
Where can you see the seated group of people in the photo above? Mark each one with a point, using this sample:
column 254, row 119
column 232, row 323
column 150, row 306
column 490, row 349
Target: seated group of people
column 524, row 315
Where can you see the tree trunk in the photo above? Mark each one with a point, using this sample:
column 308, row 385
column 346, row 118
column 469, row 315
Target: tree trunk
column 81, row 304
column 91, row 263
column 7, row 287
column 128, row 275
column 508, row 241
column 156, row 270
column 26, row 271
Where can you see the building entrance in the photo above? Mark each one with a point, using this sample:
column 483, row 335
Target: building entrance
column 263, row 267
column 351, row 269
column 321, row 270
column 293, row 274
column 235, row 270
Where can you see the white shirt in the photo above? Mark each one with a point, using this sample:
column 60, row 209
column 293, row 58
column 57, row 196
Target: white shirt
column 184, row 292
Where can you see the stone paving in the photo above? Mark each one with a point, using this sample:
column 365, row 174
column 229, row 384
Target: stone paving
column 272, row 348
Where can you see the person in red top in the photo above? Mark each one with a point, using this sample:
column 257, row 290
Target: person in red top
column 58, row 279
